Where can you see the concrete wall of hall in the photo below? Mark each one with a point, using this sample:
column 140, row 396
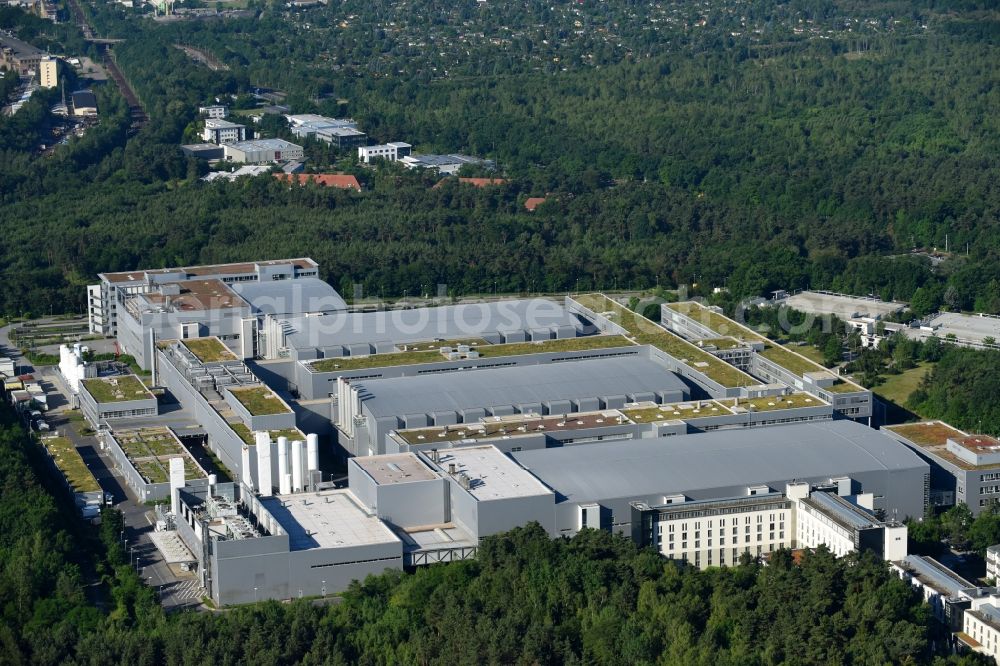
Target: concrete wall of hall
column 899, row 492
column 414, row 504
column 315, row 385
column 98, row 413
column 222, row 440
column 268, row 565
column 134, row 335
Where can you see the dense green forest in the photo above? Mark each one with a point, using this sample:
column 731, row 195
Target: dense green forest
column 961, row 389
column 66, row 598
column 955, row 528
column 783, row 157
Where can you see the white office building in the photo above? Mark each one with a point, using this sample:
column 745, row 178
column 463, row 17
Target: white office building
column 215, row 111
column 263, row 150
column 844, row 527
column 390, row 152
column 993, row 562
column 982, row 624
column 221, row 132
column 718, row 532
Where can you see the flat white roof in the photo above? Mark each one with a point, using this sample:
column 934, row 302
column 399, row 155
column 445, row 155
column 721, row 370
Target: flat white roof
column 845, row 307
column 438, row 536
column 395, row 468
column 327, row 519
column 966, row 327
column 218, row 123
column 493, row 474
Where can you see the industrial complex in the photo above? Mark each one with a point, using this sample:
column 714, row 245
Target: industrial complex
column 294, row 445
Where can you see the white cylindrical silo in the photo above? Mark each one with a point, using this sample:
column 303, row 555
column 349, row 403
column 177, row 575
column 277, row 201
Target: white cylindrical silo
column 286, row 484
column 297, row 465
column 264, row 481
column 177, row 482
column 312, row 452
column 283, row 464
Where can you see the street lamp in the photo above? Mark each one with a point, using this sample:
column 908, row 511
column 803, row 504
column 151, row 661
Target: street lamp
column 324, row 588
column 255, row 595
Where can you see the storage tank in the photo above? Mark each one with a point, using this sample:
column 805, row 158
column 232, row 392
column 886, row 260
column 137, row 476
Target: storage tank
column 312, row 452
column 297, row 465
column 283, row 466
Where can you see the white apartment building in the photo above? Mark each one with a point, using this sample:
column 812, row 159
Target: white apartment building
column 390, row 152
column 982, row 623
column 993, row 563
column 222, row 132
column 215, row 111
column 48, row 72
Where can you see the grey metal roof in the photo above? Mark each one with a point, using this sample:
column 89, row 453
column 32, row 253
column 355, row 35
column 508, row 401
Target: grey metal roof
column 219, row 123
column 933, row 573
column 516, row 385
column 263, row 144
column 720, row 459
column 84, row 98
column 842, row 510
column 285, row 297
column 447, row 160
column 420, row 324
column 21, row 49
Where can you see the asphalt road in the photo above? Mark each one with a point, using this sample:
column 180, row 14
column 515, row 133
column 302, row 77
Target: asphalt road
column 176, row 589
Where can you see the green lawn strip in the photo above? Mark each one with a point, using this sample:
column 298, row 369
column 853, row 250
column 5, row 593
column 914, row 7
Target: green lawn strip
column 259, row 400
column 897, row 388
column 71, row 464
column 393, row 359
column 645, row 332
column 209, row 350
column 117, row 389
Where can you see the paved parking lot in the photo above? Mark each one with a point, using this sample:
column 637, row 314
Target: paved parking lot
column 845, row 307
column 966, row 328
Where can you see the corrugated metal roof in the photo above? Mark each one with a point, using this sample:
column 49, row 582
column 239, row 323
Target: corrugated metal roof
column 515, row 385
column 420, row 324
column 283, row 297
column 720, row 459
column 930, row 572
column 841, row 509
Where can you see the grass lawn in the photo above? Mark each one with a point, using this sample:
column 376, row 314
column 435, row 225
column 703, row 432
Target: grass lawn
column 645, row 332
column 68, row 460
column 808, row 351
column 790, row 401
column 391, row 359
column 259, row 400
column 897, row 388
column 116, row 389
column 927, row 434
column 248, row 438
column 209, row 350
